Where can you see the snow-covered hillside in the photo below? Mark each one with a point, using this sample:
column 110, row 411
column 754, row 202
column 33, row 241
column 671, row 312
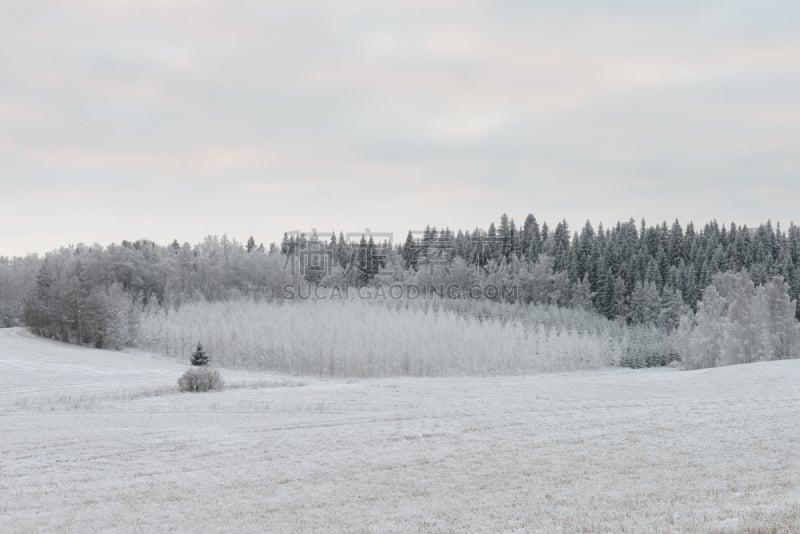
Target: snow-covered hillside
column 45, row 374
column 101, row 441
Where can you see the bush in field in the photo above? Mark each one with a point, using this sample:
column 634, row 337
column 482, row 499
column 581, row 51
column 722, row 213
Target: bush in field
column 200, row 378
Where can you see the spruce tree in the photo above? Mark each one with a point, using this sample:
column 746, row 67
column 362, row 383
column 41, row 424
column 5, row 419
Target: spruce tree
column 285, row 248
column 199, row 356
column 504, row 234
column 534, row 241
column 362, row 268
column 409, row 252
column 492, row 237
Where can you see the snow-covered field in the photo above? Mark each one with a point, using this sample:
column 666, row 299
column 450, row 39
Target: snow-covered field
column 101, row 441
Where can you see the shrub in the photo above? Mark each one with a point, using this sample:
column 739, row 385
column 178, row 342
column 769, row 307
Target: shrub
column 200, row 379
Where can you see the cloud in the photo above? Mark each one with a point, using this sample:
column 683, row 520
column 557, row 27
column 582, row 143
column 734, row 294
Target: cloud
column 377, row 114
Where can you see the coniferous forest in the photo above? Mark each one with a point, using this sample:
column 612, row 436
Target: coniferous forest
column 639, row 284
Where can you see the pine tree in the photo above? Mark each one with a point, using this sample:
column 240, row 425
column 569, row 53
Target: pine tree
column 408, row 252
column 285, row 244
column 363, row 267
column 605, row 294
column 513, row 241
column 343, row 252
column 619, row 306
column 525, row 235
column 492, row 240
column 504, row 234
column 199, row 356
column 561, row 243
column 371, row 258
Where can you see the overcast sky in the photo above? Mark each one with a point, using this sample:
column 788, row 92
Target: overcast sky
column 177, row 119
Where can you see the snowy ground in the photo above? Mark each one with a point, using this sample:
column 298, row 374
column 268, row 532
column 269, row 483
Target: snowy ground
column 101, row 441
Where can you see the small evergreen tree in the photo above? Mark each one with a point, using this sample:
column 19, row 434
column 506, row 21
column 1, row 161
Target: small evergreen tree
column 199, row 356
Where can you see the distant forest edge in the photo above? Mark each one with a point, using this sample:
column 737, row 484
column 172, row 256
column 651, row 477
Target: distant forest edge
column 712, row 284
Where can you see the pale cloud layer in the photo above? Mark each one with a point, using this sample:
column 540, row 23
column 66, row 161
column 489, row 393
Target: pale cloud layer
column 159, row 119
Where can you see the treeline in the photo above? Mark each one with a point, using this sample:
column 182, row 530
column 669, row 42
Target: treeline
column 643, row 274
column 92, row 294
column 623, row 267
column 650, row 275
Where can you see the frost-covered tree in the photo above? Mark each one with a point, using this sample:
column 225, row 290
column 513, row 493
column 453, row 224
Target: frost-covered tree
column 645, row 305
column 672, row 309
column 581, row 296
column 420, row 338
column 737, row 322
column 706, row 334
column 783, row 330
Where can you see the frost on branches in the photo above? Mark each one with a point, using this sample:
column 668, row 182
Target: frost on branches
column 359, row 338
column 737, row 322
